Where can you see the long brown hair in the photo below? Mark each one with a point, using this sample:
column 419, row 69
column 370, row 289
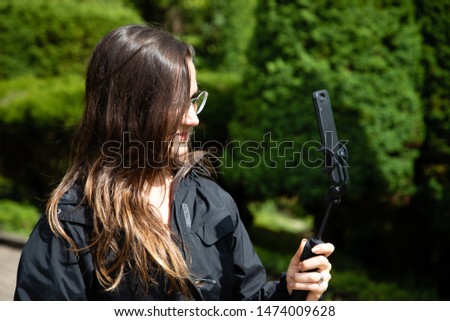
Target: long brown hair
column 137, row 91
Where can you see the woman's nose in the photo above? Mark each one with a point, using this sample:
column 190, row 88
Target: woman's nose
column 190, row 118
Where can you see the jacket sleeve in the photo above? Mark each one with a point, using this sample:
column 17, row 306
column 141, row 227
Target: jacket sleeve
column 250, row 277
column 48, row 268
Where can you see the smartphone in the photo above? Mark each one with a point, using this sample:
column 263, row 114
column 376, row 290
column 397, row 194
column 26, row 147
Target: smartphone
column 335, row 152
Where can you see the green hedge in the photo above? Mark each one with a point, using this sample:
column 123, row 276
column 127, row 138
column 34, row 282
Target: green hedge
column 17, row 218
column 53, row 37
column 57, row 100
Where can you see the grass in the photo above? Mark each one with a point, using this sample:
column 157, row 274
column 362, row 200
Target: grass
column 269, row 215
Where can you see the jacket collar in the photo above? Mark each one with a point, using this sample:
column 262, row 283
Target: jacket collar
column 72, row 208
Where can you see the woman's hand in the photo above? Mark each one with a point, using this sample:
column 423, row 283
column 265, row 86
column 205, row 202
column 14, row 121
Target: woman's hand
column 315, row 282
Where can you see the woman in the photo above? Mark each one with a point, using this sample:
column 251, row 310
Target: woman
column 136, row 217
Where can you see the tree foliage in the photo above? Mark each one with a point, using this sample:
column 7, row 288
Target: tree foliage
column 218, row 29
column 433, row 167
column 52, row 37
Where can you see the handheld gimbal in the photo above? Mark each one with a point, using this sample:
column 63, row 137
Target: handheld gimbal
column 336, row 166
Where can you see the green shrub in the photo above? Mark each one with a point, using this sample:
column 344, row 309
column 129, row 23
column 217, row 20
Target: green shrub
column 53, row 37
column 45, row 101
column 17, row 218
column 431, row 204
column 219, row 30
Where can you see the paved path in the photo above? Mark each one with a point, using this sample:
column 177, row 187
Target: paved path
column 9, row 259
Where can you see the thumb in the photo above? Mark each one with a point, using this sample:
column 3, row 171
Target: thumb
column 296, row 259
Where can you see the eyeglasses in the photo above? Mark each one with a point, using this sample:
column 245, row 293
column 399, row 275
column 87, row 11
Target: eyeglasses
column 199, row 101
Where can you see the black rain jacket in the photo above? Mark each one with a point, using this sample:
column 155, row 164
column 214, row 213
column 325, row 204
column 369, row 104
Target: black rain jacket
column 224, row 265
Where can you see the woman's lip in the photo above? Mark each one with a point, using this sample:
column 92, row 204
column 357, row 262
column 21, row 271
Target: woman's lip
column 183, row 137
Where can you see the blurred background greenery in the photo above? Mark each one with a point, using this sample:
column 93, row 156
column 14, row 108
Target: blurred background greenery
column 385, row 64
